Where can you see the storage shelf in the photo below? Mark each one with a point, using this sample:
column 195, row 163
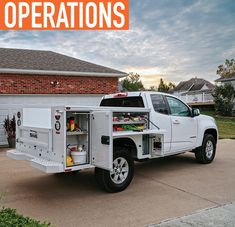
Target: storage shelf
column 128, row 122
column 76, row 133
column 147, row 131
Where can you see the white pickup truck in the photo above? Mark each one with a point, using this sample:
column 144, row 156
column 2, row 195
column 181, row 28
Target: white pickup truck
column 124, row 128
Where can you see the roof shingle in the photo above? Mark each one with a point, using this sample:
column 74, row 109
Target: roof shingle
column 40, row 60
column 224, row 79
column 194, row 84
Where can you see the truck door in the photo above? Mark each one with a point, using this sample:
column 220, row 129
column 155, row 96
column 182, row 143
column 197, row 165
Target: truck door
column 161, row 118
column 101, row 139
column 184, row 127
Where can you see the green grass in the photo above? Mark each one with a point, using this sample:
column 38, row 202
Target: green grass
column 226, row 125
column 9, row 218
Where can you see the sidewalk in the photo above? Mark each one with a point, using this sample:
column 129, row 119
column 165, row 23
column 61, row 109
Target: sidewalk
column 215, row 217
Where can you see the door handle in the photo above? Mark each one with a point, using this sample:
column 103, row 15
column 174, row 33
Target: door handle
column 176, row 122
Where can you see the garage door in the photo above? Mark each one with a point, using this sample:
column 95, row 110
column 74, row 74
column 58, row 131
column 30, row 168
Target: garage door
column 3, row 114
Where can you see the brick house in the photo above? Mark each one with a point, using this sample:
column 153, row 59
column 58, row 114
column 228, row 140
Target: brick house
column 43, row 78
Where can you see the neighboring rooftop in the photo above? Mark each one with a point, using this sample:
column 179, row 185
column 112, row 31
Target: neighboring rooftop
column 194, row 84
column 26, row 61
column 223, row 79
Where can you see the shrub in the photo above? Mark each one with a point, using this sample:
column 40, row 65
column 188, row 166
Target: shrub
column 10, row 127
column 224, row 96
column 9, row 218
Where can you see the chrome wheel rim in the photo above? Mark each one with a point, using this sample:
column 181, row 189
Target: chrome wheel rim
column 120, row 170
column 209, row 149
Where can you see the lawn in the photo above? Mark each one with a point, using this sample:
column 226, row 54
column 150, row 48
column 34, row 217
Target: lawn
column 226, row 125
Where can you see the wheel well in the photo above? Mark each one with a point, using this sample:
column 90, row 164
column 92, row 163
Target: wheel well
column 213, row 132
column 127, row 143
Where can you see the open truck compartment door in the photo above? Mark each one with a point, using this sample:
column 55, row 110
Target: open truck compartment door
column 101, row 139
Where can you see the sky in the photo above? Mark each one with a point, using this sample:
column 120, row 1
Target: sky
column 170, row 39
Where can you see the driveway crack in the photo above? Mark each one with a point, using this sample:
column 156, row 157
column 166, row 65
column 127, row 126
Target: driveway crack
column 182, row 190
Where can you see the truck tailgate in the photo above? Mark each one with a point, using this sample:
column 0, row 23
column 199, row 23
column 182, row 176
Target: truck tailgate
column 36, row 142
column 38, row 163
column 35, row 145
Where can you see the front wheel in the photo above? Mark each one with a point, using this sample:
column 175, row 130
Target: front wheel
column 206, row 153
column 122, row 174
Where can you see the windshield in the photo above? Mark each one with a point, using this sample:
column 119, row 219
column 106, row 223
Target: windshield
column 123, row 102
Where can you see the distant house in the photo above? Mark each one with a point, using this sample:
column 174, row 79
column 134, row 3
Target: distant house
column 195, row 90
column 227, row 80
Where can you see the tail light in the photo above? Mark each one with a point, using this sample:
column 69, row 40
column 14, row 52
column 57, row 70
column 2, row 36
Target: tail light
column 120, row 95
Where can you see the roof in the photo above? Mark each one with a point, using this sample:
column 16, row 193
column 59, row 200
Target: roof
column 224, row 79
column 26, row 61
column 194, row 84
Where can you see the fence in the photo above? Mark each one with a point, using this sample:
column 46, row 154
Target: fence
column 197, row 98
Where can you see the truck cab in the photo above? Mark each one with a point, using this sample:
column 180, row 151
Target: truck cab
column 185, row 128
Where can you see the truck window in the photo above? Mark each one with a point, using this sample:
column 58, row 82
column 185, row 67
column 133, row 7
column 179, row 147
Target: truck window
column 123, row 102
column 159, row 104
column 177, row 107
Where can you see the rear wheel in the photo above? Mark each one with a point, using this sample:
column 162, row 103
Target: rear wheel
column 206, row 153
column 122, row 174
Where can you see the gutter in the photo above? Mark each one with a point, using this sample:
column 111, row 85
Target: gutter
column 225, row 79
column 60, row 73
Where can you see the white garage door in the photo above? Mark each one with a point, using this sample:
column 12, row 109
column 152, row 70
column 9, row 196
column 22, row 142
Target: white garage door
column 9, row 104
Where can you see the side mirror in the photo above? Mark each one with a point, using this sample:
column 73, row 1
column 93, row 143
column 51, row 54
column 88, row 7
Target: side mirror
column 195, row 112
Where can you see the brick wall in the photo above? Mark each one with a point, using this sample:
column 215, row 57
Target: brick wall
column 38, row 84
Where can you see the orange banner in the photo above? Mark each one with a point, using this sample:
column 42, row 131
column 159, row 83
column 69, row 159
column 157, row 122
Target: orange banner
column 64, row 15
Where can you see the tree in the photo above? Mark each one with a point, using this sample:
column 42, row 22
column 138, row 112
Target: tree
column 152, row 88
column 224, row 97
column 132, row 83
column 171, row 86
column 164, row 87
column 227, row 69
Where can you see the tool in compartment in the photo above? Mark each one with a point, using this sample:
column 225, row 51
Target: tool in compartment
column 73, row 126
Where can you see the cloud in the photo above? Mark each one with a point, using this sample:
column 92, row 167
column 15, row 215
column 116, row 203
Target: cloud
column 175, row 40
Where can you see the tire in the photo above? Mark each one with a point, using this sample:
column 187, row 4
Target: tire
column 122, row 174
column 206, row 153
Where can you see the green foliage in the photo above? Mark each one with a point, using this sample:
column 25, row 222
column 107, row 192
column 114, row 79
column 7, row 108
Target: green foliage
column 10, row 127
column 132, row 83
column 227, row 69
column 224, row 97
column 9, row 218
column 164, row 87
column 171, row 86
column 153, row 88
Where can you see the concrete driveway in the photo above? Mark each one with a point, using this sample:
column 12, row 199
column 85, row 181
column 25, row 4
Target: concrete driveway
column 161, row 189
